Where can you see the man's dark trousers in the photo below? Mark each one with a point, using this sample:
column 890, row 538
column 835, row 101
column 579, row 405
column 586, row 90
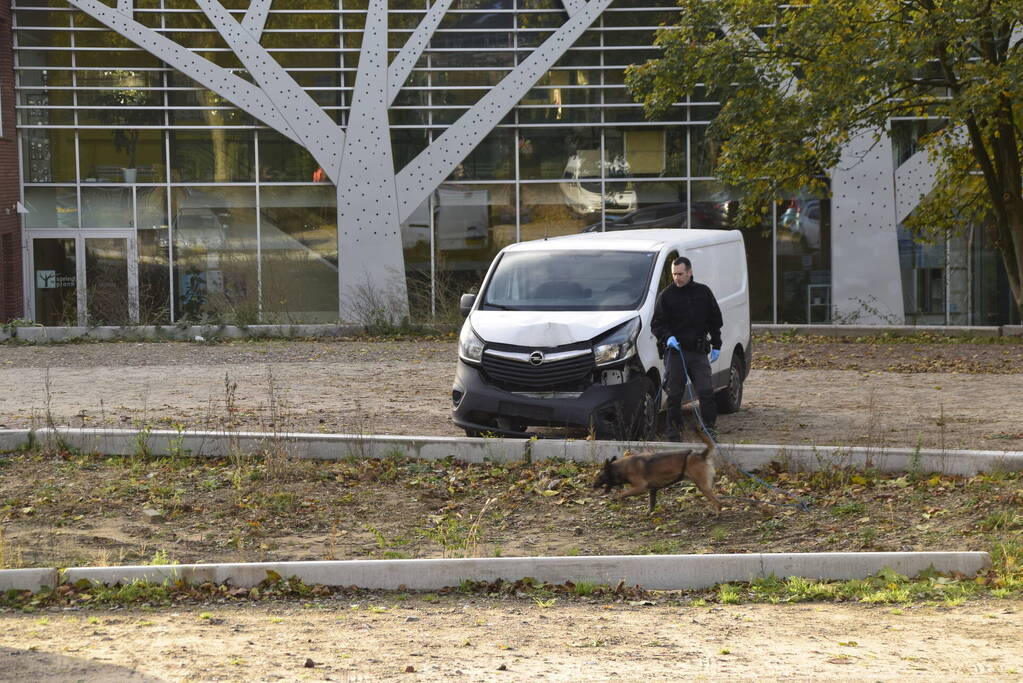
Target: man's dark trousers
column 698, row 366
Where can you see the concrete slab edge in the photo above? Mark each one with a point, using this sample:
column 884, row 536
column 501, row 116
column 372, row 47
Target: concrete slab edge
column 43, row 335
column 39, row 334
column 896, row 330
column 128, row 442
column 653, row 572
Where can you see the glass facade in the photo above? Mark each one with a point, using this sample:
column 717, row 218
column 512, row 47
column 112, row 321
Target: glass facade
column 230, row 221
column 956, row 281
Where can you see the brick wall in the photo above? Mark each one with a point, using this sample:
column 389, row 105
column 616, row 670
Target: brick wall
column 10, row 182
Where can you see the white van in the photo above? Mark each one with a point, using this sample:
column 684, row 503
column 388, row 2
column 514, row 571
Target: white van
column 559, row 334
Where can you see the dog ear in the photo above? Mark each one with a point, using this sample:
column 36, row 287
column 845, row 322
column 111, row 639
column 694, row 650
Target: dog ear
column 613, row 458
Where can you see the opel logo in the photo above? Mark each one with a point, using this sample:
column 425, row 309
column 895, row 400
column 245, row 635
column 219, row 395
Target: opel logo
column 536, row 358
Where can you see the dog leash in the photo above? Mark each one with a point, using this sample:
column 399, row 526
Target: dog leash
column 801, row 503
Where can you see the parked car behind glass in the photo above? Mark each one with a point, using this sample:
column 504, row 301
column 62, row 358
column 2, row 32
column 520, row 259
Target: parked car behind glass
column 707, row 215
column 803, row 217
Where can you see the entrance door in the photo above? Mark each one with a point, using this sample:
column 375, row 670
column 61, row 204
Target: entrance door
column 55, row 276
column 89, row 279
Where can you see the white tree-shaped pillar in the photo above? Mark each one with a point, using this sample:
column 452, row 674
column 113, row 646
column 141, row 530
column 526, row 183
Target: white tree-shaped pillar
column 372, row 198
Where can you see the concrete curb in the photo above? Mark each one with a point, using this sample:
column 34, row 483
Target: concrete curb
column 128, row 442
column 653, row 572
column 27, row 579
column 305, row 446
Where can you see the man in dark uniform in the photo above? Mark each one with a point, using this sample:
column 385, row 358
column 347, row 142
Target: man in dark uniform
column 687, row 323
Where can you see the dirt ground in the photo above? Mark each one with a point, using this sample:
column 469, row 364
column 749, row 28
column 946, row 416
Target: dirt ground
column 897, row 394
column 91, row 510
column 482, row 639
column 952, row 395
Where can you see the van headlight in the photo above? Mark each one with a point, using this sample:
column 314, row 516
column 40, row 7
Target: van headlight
column 470, row 347
column 618, row 344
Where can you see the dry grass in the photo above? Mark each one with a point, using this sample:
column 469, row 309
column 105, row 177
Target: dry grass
column 67, row 508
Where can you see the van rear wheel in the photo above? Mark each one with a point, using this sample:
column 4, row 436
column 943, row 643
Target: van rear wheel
column 730, row 398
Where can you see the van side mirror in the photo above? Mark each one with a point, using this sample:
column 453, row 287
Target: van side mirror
column 465, row 304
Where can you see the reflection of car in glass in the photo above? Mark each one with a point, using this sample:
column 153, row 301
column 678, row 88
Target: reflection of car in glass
column 199, row 227
column 581, row 186
column 671, row 215
column 461, row 216
column 803, row 217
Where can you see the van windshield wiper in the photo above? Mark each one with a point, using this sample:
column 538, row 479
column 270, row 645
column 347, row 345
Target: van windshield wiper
column 500, row 306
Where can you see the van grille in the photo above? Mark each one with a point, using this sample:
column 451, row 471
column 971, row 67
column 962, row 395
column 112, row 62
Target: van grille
column 557, row 375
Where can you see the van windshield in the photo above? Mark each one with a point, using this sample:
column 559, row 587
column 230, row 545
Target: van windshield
column 570, row 281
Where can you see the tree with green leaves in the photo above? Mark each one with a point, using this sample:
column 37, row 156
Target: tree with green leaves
column 797, row 82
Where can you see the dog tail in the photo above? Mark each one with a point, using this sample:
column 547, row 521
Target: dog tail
column 711, row 447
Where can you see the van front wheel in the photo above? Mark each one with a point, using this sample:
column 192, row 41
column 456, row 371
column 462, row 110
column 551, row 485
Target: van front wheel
column 730, row 398
column 645, row 425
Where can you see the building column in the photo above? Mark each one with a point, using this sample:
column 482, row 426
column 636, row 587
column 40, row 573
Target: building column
column 865, row 278
column 11, row 294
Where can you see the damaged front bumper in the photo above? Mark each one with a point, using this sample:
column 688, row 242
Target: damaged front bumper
column 604, row 409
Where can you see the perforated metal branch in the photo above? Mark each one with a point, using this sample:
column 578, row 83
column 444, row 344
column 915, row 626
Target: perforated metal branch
column 405, row 60
column 255, row 17
column 424, row 173
column 572, row 7
column 217, row 79
column 317, row 132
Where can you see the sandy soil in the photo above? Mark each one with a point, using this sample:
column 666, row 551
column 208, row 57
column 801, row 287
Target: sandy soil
column 965, row 395
column 370, row 638
column 953, row 396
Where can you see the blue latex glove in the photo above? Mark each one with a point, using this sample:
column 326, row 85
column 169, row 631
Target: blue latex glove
column 673, row 343
column 714, row 355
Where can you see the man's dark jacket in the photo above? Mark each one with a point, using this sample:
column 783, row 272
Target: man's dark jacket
column 690, row 314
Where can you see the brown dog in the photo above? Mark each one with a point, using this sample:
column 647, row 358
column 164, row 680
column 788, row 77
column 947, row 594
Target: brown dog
column 654, row 471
